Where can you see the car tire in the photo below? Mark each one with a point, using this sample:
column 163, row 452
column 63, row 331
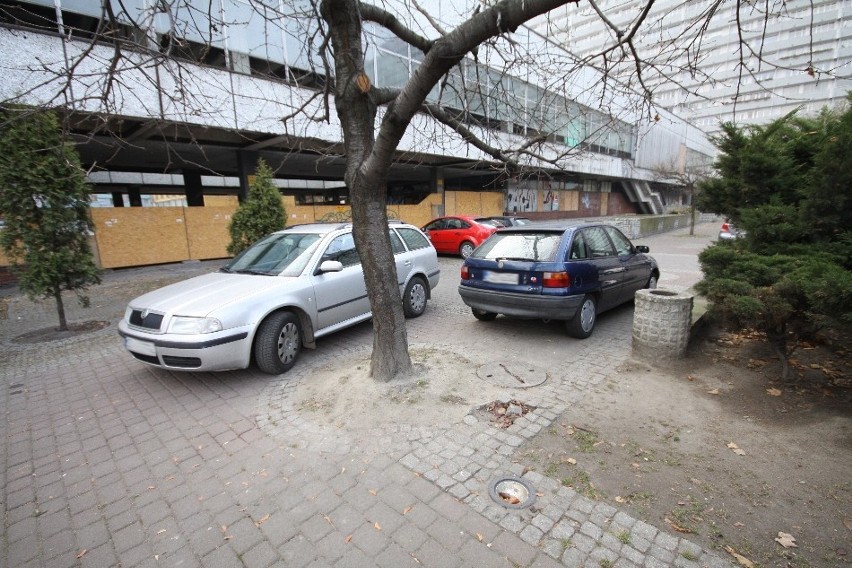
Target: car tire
column 482, row 315
column 583, row 323
column 415, row 297
column 466, row 249
column 652, row 282
column 278, row 343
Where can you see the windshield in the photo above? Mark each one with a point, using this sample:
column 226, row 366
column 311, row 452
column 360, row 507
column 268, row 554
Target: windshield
column 286, row 254
column 539, row 247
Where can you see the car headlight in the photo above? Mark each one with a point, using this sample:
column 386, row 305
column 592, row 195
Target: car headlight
column 190, row 325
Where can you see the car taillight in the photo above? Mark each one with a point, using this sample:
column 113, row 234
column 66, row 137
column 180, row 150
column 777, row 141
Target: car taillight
column 556, row 280
column 465, row 272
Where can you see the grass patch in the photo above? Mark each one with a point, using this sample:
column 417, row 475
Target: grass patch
column 582, row 484
column 586, row 440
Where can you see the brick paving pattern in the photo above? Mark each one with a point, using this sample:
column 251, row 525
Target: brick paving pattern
column 107, row 462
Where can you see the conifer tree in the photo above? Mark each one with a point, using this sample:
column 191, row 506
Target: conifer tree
column 44, row 201
column 260, row 214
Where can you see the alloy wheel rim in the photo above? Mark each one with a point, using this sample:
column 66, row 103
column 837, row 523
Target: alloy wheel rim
column 418, row 297
column 587, row 315
column 288, row 343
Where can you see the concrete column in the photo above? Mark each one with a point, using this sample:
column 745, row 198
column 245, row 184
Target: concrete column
column 438, row 187
column 246, row 165
column 193, row 189
column 134, row 196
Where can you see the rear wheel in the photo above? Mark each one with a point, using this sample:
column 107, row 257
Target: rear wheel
column 414, row 298
column 583, row 323
column 278, row 343
column 466, row 249
column 482, row 315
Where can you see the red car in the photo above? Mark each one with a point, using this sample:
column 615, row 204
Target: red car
column 458, row 234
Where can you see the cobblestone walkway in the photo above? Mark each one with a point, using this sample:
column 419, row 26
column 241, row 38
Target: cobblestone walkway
column 107, row 462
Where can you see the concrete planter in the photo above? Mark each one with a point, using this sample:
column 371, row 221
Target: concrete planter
column 661, row 323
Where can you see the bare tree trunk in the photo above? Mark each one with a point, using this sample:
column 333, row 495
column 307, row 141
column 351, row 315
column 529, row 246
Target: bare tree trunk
column 778, row 341
column 60, row 309
column 390, row 358
column 367, row 191
column 691, row 211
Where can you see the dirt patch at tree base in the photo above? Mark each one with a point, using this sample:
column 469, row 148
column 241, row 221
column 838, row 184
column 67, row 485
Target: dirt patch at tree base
column 441, row 390
column 716, row 448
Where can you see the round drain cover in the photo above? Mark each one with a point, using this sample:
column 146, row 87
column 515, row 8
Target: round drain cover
column 512, row 375
column 511, row 492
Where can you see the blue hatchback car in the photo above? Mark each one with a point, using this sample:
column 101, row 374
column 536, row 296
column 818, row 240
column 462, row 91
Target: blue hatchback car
column 552, row 272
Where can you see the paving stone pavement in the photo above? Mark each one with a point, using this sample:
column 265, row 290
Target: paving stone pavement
column 108, row 462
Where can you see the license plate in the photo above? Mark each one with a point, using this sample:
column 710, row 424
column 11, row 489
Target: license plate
column 500, row 277
column 141, row 347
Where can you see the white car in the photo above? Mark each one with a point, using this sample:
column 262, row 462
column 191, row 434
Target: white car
column 279, row 295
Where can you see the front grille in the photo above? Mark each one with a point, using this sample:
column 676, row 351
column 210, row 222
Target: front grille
column 147, row 358
column 150, row 321
column 182, row 362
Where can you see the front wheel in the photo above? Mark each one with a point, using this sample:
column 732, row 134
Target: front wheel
column 414, row 298
column 652, row 282
column 278, row 343
column 482, row 315
column 583, row 323
column 466, row 249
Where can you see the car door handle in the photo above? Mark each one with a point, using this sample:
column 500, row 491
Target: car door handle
column 407, row 263
column 614, row 270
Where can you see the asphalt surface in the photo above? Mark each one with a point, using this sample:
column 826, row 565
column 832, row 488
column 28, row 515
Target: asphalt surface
column 109, row 462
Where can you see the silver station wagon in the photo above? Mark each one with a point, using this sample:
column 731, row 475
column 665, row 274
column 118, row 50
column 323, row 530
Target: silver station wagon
column 279, row 295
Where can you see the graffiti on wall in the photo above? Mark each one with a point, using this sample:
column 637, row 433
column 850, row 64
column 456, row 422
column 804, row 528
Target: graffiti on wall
column 521, row 199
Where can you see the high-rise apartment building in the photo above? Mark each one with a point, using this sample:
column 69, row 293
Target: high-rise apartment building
column 749, row 62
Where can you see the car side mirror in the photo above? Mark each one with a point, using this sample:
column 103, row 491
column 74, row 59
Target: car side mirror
column 642, row 248
column 330, row 266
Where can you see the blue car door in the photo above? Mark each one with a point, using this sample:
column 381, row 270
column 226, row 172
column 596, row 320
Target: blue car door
column 610, row 270
column 637, row 267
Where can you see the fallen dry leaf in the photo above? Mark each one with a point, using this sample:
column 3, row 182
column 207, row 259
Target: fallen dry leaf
column 479, row 537
column 690, row 378
column 407, row 510
column 619, row 499
column 572, row 461
column 373, row 492
column 82, row 553
column 510, row 498
column 677, row 527
column 161, row 531
column 773, row 392
column 262, row 520
column 377, row 526
column 714, row 391
column 742, row 560
column 347, row 539
column 786, row 540
column 328, row 519
column 736, row 449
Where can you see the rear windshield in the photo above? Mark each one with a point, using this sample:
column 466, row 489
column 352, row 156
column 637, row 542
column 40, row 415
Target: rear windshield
column 539, row 247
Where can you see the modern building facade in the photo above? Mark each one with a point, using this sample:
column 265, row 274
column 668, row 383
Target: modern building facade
column 184, row 96
column 749, row 63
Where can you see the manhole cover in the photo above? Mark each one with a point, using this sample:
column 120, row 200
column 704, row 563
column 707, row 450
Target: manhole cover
column 511, row 492
column 512, row 375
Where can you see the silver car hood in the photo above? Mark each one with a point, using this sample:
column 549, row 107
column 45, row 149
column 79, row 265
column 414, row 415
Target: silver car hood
column 203, row 295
